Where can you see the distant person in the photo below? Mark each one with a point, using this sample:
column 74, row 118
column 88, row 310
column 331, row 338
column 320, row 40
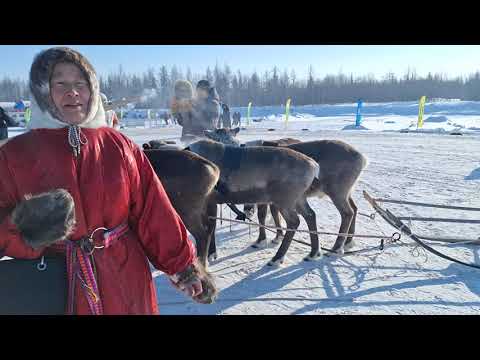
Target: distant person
column 237, row 119
column 165, row 117
column 181, row 106
column 207, row 104
column 172, row 119
column 226, row 119
column 195, row 114
column 110, row 115
column 5, row 122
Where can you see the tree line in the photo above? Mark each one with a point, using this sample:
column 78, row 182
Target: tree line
column 273, row 87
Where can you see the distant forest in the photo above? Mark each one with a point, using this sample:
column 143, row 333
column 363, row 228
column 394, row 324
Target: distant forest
column 273, row 87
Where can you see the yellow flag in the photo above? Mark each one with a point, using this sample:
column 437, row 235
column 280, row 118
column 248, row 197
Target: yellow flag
column 287, row 111
column 28, row 115
column 421, row 107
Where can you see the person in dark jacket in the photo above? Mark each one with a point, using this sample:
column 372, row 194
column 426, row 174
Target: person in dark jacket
column 226, row 119
column 5, row 122
column 209, row 94
column 206, row 107
column 237, row 119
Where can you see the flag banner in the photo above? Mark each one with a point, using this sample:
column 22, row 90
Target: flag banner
column 287, row 111
column 249, row 109
column 358, row 119
column 421, row 107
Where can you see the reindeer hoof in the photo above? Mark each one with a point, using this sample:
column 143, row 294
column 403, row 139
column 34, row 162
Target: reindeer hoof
column 262, row 244
column 249, row 214
column 315, row 257
column 349, row 245
column 337, row 253
column 275, row 263
column 276, row 241
column 212, row 257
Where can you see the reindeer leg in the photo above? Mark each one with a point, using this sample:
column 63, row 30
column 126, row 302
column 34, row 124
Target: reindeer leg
column 349, row 243
column 346, row 212
column 249, row 210
column 200, row 233
column 262, row 237
column 293, row 222
column 310, row 217
column 211, row 227
column 276, row 218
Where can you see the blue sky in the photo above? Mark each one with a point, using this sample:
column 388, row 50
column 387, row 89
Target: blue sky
column 453, row 60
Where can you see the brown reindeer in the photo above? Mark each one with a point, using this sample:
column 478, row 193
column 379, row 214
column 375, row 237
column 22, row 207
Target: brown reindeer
column 264, row 175
column 189, row 181
column 340, row 167
column 249, row 209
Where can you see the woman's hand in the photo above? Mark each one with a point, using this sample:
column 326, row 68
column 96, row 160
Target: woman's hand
column 192, row 288
column 197, row 283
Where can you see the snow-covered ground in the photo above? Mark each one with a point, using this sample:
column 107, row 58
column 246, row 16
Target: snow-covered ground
column 402, row 279
column 440, row 116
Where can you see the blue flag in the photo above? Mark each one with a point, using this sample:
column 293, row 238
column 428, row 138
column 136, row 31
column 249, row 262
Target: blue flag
column 358, row 120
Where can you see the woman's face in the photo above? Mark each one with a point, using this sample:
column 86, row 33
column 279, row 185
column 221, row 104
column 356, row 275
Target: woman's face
column 70, row 93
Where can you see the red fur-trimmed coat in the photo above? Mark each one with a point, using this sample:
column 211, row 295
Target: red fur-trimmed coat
column 111, row 182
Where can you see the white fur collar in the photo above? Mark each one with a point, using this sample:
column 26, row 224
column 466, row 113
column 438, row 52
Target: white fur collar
column 44, row 120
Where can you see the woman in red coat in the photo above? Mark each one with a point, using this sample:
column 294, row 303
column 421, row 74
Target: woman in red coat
column 71, row 178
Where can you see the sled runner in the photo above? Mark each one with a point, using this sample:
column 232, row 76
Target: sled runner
column 397, row 223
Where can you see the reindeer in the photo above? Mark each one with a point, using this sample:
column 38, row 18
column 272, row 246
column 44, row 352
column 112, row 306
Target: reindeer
column 189, row 181
column 264, row 175
column 340, row 167
column 161, row 145
column 280, row 142
column 249, row 209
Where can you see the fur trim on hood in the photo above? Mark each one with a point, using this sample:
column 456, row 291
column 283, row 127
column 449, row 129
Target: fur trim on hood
column 183, row 90
column 183, row 98
column 44, row 111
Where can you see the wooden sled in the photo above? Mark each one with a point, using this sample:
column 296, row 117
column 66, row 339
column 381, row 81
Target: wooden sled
column 397, row 223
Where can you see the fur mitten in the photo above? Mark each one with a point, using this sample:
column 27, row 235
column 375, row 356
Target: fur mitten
column 193, row 274
column 45, row 218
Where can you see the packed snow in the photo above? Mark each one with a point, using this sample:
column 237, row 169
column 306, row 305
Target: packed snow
column 402, row 279
column 431, row 167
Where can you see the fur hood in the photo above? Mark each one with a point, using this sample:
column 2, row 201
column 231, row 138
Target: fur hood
column 44, row 111
column 183, row 99
column 183, row 89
